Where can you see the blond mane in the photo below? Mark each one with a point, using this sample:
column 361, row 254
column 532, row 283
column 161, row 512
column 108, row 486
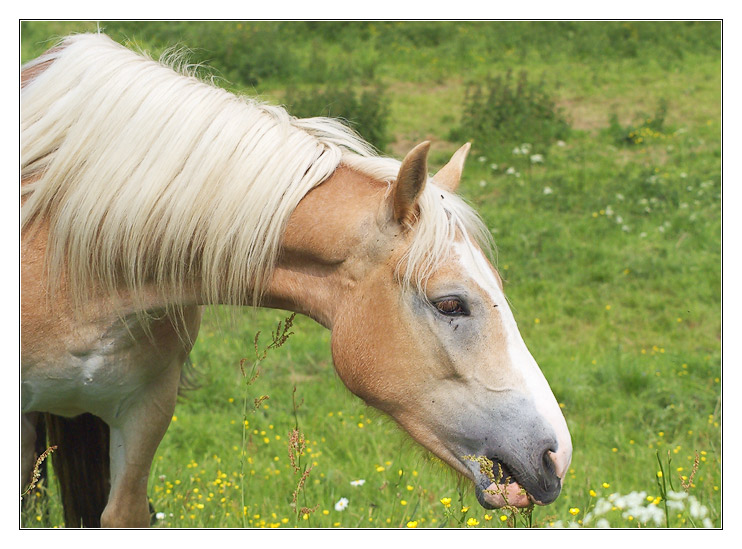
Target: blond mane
column 149, row 176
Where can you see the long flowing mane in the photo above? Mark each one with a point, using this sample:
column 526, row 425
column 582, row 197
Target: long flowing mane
column 147, row 176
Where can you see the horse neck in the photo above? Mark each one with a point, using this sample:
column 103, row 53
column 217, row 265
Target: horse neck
column 324, row 250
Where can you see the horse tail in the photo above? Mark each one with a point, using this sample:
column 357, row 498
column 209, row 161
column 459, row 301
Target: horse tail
column 81, row 466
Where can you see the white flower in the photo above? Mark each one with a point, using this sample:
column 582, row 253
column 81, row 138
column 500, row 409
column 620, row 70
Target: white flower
column 548, row 190
column 525, row 148
column 359, row 482
column 341, row 504
column 619, row 219
column 561, row 143
column 619, row 196
column 482, row 183
column 707, row 523
column 537, row 158
column 603, row 523
column 683, row 175
column 517, row 151
column 608, row 211
column 160, row 516
column 493, row 166
column 510, row 170
column 642, row 235
column 626, row 229
column 482, row 159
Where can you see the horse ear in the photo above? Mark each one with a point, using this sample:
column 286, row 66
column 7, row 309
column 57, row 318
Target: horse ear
column 449, row 176
column 413, row 173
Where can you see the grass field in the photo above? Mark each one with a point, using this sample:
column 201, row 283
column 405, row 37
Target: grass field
column 610, row 247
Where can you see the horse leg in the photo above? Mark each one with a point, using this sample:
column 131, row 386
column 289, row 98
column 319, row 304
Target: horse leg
column 135, row 435
column 28, row 446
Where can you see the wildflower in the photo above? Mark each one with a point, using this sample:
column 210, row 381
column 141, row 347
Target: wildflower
column 359, row 482
column 160, row 515
column 403, row 502
column 341, row 504
column 487, row 517
column 493, row 166
column 464, row 509
column 446, row 502
column 482, row 159
column 472, row 522
column 510, row 170
column 412, row 524
column 537, row 159
column 561, row 143
column 592, row 493
column 503, row 518
column 548, row 190
column 574, row 511
column 379, row 468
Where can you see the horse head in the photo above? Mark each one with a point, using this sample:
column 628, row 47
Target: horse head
column 421, row 328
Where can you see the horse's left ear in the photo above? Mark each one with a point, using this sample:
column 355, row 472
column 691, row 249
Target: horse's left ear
column 449, row 176
column 413, row 173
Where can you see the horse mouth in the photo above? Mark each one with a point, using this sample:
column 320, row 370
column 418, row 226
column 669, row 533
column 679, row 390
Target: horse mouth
column 498, row 487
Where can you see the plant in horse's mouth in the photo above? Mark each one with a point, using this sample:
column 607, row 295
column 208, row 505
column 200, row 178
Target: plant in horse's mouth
column 500, row 480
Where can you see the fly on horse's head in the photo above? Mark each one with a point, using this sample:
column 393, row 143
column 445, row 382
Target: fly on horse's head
column 148, row 194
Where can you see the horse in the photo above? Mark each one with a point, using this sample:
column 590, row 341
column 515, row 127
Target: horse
column 148, row 193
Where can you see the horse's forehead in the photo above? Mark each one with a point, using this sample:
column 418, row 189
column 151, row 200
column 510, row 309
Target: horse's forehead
column 468, row 263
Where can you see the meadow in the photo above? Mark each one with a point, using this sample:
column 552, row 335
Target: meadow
column 608, row 238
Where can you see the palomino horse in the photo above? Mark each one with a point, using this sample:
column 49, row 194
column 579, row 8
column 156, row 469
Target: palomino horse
column 148, row 193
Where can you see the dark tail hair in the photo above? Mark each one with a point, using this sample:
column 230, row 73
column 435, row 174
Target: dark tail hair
column 81, row 466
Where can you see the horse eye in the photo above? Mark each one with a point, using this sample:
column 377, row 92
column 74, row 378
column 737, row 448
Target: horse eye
column 450, row 306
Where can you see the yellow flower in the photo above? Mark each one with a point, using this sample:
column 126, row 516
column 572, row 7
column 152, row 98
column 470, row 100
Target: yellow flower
column 403, row 502
column 412, row 524
column 574, row 511
column 503, row 518
column 472, row 522
column 446, row 502
column 592, row 493
column 379, row 469
column 464, row 509
column 487, row 517
column 606, row 485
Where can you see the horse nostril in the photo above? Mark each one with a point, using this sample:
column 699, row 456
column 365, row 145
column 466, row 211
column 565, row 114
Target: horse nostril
column 547, row 460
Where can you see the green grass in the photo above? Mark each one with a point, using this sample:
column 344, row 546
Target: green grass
column 612, row 259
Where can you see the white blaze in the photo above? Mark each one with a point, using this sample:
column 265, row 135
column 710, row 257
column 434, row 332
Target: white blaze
column 521, row 360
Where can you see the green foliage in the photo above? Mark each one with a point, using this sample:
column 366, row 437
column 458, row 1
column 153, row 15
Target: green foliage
column 366, row 111
column 644, row 129
column 504, row 112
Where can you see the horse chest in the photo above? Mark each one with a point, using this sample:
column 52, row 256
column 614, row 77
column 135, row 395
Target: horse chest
column 95, row 369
